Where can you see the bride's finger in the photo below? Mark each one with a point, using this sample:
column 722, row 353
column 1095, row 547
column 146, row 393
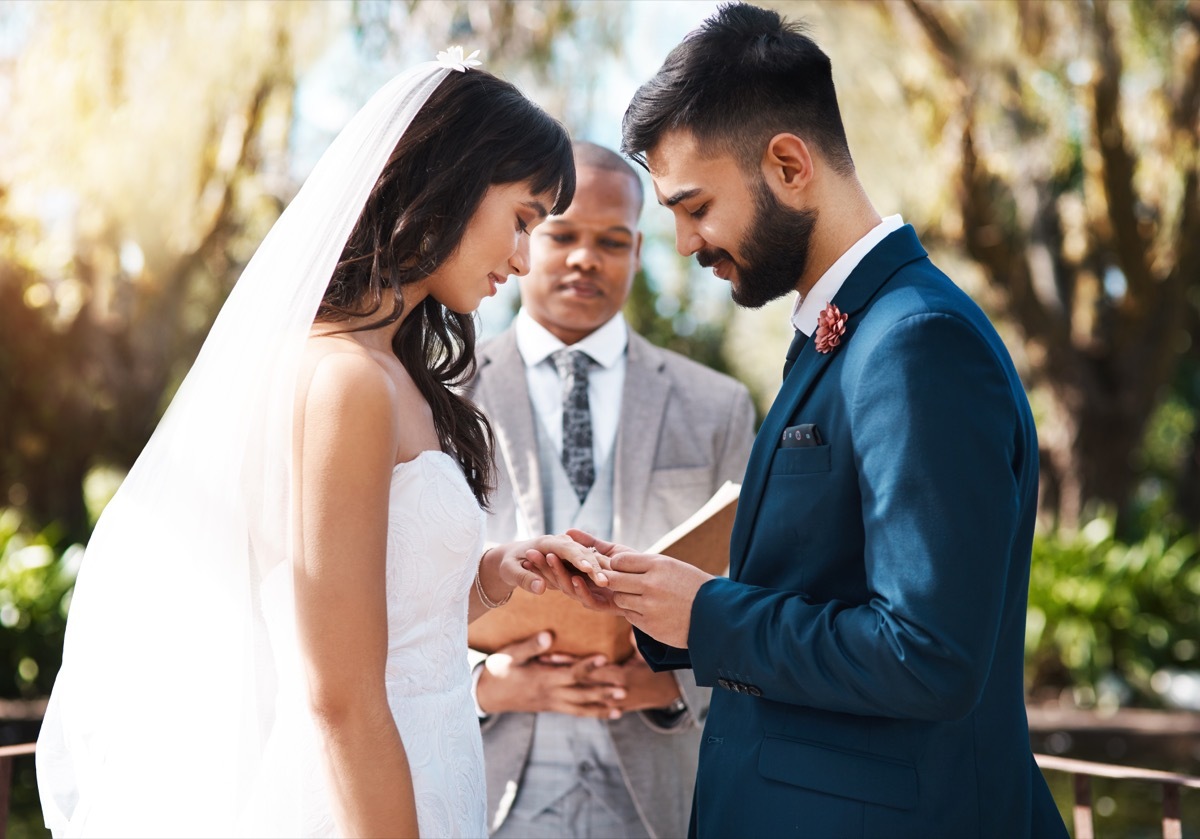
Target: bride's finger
column 537, row 566
column 564, row 573
column 521, row 573
column 546, row 562
column 586, row 561
column 550, row 571
column 588, row 540
column 526, row 578
column 569, row 551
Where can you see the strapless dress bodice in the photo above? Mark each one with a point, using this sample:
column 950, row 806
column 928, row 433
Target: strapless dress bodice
column 435, row 537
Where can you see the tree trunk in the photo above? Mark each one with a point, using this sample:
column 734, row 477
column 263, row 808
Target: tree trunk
column 1102, row 318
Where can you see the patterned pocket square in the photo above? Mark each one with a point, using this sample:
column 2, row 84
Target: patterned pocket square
column 797, row 436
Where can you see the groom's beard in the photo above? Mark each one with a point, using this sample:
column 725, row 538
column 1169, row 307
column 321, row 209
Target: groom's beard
column 775, row 251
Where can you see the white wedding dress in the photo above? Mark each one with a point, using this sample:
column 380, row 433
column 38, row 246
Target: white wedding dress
column 435, row 536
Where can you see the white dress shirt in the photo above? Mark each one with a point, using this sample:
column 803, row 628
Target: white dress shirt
column 606, row 380
column 806, row 309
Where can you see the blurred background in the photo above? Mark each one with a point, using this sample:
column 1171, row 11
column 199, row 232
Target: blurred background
column 1046, row 152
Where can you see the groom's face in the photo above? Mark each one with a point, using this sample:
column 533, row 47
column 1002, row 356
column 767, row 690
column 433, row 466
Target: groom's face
column 731, row 220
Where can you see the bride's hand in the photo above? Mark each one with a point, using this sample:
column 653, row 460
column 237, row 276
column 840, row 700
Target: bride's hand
column 607, row 549
column 524, row 564
column 557, row 559
column 588, row 555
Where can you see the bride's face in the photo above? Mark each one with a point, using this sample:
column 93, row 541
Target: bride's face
column 494, row 246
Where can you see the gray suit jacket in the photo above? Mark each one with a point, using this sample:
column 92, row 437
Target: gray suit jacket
column 684, row 430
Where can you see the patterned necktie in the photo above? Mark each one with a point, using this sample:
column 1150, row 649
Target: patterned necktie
column 793, row 352
column 577, row 458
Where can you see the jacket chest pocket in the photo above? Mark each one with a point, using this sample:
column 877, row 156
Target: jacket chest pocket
column 801, row 460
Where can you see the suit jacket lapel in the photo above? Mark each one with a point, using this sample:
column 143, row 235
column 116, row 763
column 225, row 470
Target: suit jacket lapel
column 868, row 277
column 507, row 393
column 643, row 406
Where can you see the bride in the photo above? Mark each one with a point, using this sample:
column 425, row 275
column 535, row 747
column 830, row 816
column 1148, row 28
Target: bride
column 268, row 633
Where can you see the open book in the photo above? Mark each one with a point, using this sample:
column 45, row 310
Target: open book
column 702, row 540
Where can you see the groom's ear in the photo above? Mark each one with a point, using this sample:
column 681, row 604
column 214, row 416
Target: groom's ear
column 788, row 167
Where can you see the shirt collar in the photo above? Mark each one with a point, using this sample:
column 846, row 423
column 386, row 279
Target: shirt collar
column 808, row 307
column 606, row 345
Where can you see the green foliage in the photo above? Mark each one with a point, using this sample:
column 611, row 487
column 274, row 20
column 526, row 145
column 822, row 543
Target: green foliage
column 1100, row 607
column 25, row 810
column 1162, row 466
column 37, row 574
column 670, row 323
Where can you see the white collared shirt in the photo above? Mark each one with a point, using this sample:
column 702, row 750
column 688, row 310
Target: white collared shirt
column 606, row 380
column 806, row 309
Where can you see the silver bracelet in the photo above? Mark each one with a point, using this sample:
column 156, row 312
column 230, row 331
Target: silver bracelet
column 487, row 601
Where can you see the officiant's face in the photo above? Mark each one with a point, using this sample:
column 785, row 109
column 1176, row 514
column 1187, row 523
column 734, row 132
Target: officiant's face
column 730, row 219
column 583, row 261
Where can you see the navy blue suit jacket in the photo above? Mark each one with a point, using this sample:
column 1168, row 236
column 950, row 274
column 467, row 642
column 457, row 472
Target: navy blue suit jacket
column 870, row 637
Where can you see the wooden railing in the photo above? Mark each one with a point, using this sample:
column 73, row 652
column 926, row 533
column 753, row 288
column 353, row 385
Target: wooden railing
column 7, row 753
column 1082, row 772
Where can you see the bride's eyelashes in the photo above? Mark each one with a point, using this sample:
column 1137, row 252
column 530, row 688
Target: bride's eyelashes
column 525, row 225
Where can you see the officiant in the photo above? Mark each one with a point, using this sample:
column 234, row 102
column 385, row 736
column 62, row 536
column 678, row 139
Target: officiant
column 596, row 428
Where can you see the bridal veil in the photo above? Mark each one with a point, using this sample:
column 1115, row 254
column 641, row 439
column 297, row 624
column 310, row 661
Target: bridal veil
column 158, row 720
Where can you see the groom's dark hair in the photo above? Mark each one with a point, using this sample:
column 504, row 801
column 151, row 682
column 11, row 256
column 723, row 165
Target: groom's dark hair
column 744, row 76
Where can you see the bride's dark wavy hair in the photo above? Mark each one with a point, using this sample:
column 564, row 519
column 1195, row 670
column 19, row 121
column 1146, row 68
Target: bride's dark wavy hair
column 474, row 131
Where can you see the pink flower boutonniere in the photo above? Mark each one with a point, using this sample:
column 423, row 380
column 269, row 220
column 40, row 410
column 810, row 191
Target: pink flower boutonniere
column 831, row 326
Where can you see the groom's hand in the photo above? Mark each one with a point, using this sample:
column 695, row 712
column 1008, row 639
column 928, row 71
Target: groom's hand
column 654, row 592
column 523, row 678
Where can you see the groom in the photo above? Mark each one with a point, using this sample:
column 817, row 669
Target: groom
column 867, row 646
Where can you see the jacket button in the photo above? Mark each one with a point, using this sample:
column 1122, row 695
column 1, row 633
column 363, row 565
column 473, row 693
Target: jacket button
column 754, row 690
column 725, row 684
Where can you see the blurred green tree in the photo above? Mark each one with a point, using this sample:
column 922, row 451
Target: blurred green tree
column 145, row 173
column 1071, row 143
column 701, row 341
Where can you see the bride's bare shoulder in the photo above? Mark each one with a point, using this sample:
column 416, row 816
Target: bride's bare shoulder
column 339, row 366
column 337, row 375
column 345, row 385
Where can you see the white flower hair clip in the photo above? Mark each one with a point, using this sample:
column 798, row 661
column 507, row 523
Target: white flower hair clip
column 453, row 59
